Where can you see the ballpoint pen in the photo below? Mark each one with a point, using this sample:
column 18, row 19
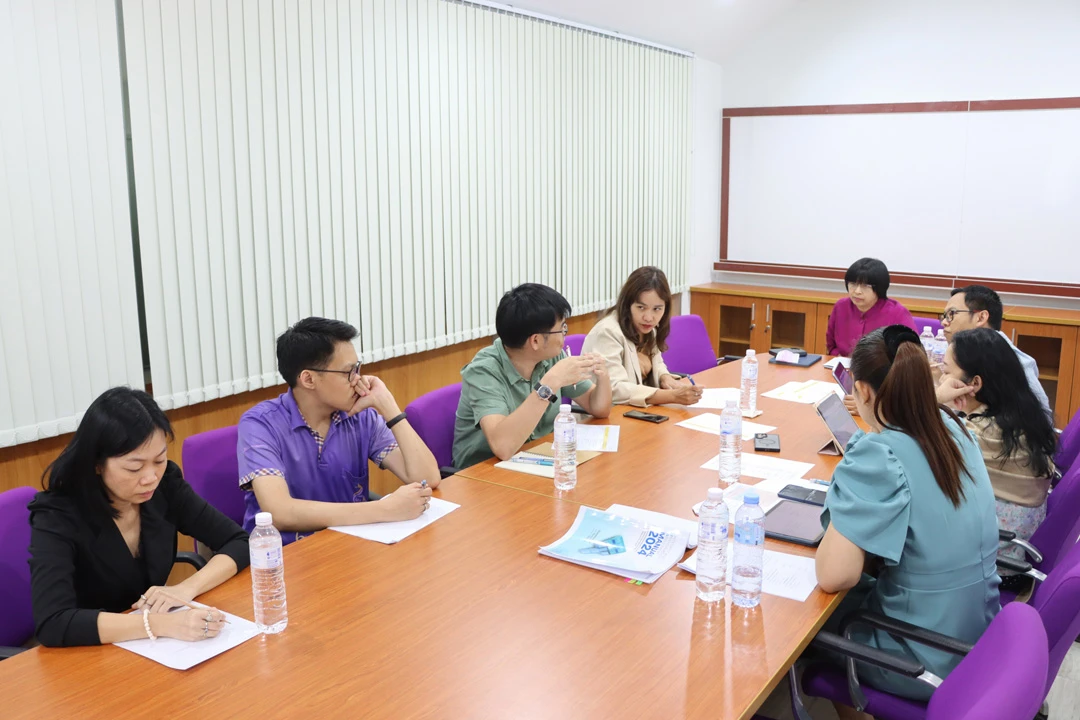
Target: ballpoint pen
column 533, row 461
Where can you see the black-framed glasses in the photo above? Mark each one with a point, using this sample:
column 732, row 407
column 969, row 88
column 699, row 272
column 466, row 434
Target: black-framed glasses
column 565, row 330
column 950, row 315
column 353, row 372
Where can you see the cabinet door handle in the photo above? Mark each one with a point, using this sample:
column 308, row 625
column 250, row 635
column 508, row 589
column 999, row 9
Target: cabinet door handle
column 768, row 313
column 753, row 312
column 1014, row 336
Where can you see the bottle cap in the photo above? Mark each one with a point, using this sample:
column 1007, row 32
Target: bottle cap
column 716, row 494
column 926, row 329
column 750, row 497
column 264, row 519
column 565, row 409
column 730, row 404
column 751, row 352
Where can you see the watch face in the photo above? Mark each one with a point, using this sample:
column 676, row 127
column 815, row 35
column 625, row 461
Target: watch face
column 544, row 392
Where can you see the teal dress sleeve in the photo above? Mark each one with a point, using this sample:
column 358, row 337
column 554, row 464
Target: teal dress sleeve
column 869, row 501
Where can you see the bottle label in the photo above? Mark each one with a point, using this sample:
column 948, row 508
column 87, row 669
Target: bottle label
column 711, row 529
column 565, row 434
column 749, row 371
column 750, row 534
column 266, row 559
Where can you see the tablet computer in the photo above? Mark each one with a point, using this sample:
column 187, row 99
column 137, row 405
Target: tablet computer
column 795, row 522
column 843, row 378
column 837, row 419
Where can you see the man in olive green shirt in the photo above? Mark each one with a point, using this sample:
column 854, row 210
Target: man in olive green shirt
column 510, row 391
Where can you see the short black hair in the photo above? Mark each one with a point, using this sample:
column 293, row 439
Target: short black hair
column 869, row 271
column 119, row 421
column 978, row 298
column 528, row 309
column 310, row 343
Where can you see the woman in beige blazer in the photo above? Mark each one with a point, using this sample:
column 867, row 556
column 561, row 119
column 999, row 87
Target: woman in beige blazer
column 631, row 338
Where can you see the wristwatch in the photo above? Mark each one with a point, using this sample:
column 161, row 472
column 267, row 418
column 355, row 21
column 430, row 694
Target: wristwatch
column 546, row 393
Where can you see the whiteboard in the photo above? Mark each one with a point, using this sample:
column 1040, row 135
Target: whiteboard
column 979, row 194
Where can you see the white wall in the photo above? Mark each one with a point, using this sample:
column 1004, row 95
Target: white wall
column 866, row 51
column 705, row 173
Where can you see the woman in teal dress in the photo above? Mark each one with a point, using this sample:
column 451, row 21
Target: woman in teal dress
column 912, row 498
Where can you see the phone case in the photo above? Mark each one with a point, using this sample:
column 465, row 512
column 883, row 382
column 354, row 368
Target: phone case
column 766, row 443
column 647, row 417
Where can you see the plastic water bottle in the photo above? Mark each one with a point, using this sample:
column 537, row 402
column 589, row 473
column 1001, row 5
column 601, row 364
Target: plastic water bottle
column 268, row 576
column 712, row 547
column 730, row 444
column 748, row 390
column 927, row 340
column 940, row 346
column 565, row 450
column 749, row 552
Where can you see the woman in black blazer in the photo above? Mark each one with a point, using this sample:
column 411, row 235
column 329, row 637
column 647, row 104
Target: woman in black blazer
column 103, row 534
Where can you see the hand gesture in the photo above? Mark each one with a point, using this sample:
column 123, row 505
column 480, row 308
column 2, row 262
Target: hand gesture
column 570, row 371
column 849, row 403
column 191, row 625
column 371, row 392
column 686, row 394
column 163, row 599
column 599, row 367
column 406, row 503
column 670, row 382
column 954, row 394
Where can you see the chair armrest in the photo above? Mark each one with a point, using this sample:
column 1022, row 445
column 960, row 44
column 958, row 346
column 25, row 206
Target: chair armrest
column 854, row 651
column 1006, row 535
column 6, row 652
column 905, row 630
column 1020, row 567
column 446, row 471
column 195, row 560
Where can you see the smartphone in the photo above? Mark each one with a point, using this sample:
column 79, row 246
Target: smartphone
column 647, row 417
column 765, row 442
column 803, row 495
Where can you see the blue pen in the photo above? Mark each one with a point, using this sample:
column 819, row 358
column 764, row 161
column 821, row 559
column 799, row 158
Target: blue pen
column 691, row 380
column 533, row 461
column 819, row 482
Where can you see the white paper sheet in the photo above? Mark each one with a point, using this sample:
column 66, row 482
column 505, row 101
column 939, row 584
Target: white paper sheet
column 597, row 438
column 181, row 655
column 765, row 467
column 808, row 392
column 783, row 575
column 662, row 520
column 715, row 398
column 392, row 532
column 733, row 498
column 710, row 423
column 832, row 363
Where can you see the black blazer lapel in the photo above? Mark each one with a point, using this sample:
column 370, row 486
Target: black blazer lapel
column 157, row 543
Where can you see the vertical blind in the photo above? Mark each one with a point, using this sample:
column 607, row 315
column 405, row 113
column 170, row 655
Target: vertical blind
column 397, row 164
column 69, row 324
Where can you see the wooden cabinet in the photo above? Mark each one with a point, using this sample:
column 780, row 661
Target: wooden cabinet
column 1054, row 349
column 736, row 324
column 789, row 324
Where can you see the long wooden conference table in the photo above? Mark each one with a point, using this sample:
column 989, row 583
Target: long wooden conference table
column 465, row 620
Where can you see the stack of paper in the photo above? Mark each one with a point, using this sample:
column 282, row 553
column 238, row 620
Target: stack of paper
column 733, row 498
column 710, row 423
column 808, row 392
column 597, row 438
column 715, row 398
column 391, row 532
column 619, row 545
column 846, row 362
column 783, row 575
column 662, row 520
column 763, row 466
column 181, row 655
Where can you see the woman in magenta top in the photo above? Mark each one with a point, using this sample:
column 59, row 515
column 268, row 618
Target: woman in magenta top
column 865, row 309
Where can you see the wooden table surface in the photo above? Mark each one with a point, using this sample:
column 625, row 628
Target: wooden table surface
column 465, row 619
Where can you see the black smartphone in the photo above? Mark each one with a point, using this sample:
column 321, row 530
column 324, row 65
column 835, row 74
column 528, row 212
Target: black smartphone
column 647, row 417
column 803, row 495
column 765, row 442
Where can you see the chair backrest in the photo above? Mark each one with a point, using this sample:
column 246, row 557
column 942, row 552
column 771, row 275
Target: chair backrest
column 432, row 416
column 574, row 342
column 1068, row 444
column 211, row 468
column 921, row 322
column 1058, row 602
column 1059, row 531
column 17, row 620
column 1003, row 677
column 689, row 348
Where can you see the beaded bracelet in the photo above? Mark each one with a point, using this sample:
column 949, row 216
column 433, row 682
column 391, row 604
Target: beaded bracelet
column 146, row 623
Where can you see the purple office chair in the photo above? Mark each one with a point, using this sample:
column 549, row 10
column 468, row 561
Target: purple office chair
column 17, row 620
column 432, row 416
column 689, row 348
column 921, row 322
column 1068, row 445
column 1003, row 676
column 574, row 342
column 1058, row 602
column 211, row 468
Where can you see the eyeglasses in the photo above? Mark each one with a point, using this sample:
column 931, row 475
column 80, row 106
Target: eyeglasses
column 563, row 332
column 949, row 315
column 353, row 372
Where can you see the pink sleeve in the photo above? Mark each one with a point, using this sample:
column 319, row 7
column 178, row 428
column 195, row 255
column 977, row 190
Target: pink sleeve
column 830, row 332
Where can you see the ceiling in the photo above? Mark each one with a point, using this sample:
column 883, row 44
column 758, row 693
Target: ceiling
column 711, row 29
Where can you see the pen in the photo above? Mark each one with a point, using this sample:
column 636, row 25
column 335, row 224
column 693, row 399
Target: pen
column 533, row 461
column 691, row 380
column 423, row 483
column 819, row 482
